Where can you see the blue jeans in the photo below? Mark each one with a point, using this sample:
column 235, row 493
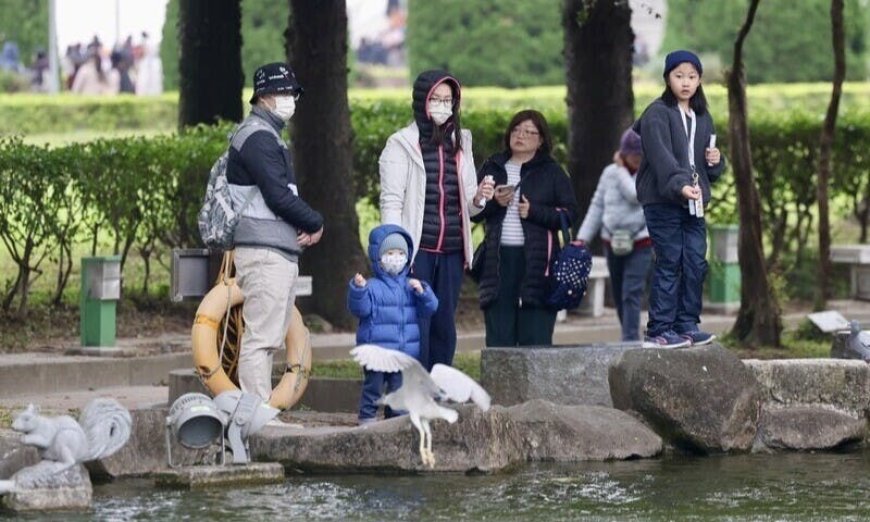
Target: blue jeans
column 680, row 243
column 444, row 273
column 628, row 276
column 373, row 388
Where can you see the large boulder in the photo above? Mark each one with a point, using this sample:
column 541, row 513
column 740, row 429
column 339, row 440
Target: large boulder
column 560, row 374
column 808, row 428
column 553, row 432
column 812, row 403
column 838, row 383
column 533, row 431
column 700, row 399
column 476, row 442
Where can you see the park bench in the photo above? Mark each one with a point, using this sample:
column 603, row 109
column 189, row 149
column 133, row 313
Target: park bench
column 593, row 303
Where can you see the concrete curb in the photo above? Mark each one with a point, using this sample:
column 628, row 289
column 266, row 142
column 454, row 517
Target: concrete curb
column 45, row 373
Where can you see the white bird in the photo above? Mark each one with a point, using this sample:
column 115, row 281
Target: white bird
column 859, row 341
column 420, row 389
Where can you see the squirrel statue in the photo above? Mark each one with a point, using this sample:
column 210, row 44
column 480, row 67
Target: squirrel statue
column 103, row 428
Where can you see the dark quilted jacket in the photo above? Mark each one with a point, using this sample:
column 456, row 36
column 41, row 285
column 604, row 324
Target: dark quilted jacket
column 547, row 187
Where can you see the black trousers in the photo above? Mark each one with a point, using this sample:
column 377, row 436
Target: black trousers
column 508, row 321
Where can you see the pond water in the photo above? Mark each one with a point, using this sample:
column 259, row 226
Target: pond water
column 795, row 486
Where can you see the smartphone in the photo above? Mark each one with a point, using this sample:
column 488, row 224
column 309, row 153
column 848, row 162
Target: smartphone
column 502, row 190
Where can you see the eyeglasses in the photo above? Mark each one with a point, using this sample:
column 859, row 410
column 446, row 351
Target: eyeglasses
column 524, row 132
column 448, row 101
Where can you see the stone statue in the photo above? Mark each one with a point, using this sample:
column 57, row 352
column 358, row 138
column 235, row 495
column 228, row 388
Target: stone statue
column 103, row 428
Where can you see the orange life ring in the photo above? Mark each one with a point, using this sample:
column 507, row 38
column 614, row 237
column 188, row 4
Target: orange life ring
column 207, row 359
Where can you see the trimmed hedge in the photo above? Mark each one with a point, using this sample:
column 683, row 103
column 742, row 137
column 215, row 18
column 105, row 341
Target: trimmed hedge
column 127, row 192
column 130, row 190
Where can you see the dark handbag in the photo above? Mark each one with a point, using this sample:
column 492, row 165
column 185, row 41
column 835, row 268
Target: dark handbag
column 569, row 272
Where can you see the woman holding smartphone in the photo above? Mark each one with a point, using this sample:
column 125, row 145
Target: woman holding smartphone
column 522, row 222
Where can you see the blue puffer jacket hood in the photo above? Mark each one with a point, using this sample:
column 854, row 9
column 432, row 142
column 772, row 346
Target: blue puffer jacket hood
column 376, row 237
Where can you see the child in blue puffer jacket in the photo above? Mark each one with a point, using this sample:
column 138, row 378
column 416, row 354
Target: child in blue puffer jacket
column 389, row 307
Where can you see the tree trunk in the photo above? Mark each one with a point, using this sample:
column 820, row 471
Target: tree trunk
column 838, row 39
column 210, row 65
column 323, row 154
column 64, row 269
column 210, row 88
column 759, row 320
column 598, row 47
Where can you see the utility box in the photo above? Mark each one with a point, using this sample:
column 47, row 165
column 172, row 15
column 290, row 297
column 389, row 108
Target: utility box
column 858, row 259
column 723, row 290
column 101, row 289
column 195, row 271
column 192, row 274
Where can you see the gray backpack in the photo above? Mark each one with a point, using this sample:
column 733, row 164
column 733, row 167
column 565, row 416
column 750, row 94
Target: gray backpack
column 217, row 219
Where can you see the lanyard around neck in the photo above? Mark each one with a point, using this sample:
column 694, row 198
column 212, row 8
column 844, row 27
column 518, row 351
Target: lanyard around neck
column 690, row 134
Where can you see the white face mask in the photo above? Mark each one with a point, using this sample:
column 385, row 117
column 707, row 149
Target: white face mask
column 440, row 112
column 393, row 264
column 285, row 106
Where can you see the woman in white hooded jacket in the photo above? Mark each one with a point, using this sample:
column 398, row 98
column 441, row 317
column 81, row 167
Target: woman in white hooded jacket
column 429, row 187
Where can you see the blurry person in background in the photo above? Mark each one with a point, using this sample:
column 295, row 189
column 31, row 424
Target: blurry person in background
column 92, row 80
column 38, row 72
column 149, row 69
column 618, row 215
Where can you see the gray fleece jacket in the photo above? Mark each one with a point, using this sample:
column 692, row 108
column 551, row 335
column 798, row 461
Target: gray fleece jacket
column 614, row 206
column 665, row 168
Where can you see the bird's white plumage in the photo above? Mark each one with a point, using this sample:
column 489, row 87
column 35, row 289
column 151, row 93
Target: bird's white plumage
column 459, row 387
column 420, row 389
column 379, row 359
